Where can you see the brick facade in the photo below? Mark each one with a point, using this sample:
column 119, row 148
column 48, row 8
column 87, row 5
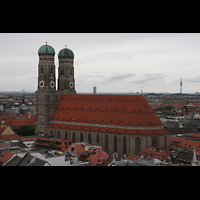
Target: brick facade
column 130, row 139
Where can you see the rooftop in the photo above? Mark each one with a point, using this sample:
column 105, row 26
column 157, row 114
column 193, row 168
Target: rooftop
column 114, row 113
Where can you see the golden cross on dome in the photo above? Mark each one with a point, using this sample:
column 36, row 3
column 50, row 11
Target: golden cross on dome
column 65, row 46
column 46, row 42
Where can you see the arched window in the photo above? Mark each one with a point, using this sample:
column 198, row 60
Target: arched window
column 165, row 142
column 62, row 72
column 154, row 142
column 106, row 143
column 89, row 138
column 51, row 69
column 51, row 133
column 98, row 139
column 81, row 137
column 66, row 135
column 115, row 143
column 73, row 137
column 70, row 71
column 58, row 136
column 124, row 145
column 137, row 145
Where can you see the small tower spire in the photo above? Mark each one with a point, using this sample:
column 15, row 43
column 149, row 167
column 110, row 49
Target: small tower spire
column 46, row 42
column 181, row 83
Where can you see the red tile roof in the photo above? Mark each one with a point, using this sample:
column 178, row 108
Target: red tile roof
column 178, row 104
column 185, row 143
column 78, row 148
column 8, row 136
column 59, row 144
column 6, row 155
column 110, row 130
column 94, row 156
column 87, row 111
column 20, row 120
column 196, row 135
column 154, row 152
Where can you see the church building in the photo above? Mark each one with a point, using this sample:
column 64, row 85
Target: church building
column 119, row 123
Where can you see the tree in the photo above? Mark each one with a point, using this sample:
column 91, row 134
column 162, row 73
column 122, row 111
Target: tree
column 25, row 130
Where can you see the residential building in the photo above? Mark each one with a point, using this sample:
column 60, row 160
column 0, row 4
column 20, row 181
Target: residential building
column 7, row 134
column 139, row 162
column 26, row 160
column 52, row 144
column 5, row 156
column 158, row 153
column 95, row 156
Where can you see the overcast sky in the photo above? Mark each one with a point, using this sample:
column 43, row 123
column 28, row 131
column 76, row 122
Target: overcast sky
column 113, row 62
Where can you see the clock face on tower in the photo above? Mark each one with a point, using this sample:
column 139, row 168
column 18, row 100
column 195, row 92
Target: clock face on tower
column 41, row 83
column 71, row 85
column 52, row 84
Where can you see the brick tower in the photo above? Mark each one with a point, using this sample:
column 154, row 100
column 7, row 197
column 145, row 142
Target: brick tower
column 46, row 94
column 66, row 82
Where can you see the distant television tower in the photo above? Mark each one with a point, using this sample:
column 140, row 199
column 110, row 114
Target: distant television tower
column 181, row 83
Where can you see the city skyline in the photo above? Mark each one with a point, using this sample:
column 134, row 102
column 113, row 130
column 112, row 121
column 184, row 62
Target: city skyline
column 113, row 62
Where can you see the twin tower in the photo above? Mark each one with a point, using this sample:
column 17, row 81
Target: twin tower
column 47, row 97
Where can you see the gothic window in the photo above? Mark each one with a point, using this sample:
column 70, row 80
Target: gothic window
column 66, row 135
column 98, row 139
column 137, row 145
column 124, row 145
column 58, row 136
column 115, row 143
column 165, row 143
column 62, row 72
column 42, row 70
column 81, row 137
column 73, row 138
column 154, row 142
column 106, row 143
column 89, row 138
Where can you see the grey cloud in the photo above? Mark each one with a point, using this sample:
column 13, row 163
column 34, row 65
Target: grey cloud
column 149, row 78
column 192, row 79
column 119, row 77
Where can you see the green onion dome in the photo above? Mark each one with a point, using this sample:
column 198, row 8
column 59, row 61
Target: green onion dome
column 46, row 50
column 66, row 53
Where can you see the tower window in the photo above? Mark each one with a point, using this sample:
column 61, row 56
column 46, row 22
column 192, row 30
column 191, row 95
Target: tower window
column 70, row 71
column 62, row 72
column 51, row 69
column 42, row 70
